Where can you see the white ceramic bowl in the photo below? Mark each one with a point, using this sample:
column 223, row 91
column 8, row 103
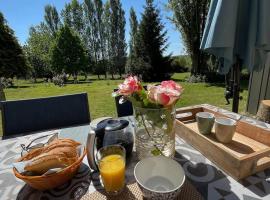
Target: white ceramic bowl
column 159, row 177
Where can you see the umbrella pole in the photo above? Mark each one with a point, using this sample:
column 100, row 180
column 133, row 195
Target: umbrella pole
column 236, row 85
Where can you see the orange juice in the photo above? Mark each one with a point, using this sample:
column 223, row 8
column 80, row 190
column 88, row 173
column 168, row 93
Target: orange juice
column 112, row 170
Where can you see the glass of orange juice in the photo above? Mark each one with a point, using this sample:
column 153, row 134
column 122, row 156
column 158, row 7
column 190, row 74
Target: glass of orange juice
column 111, row 164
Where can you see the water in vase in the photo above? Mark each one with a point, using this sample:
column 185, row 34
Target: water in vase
column 152, row 145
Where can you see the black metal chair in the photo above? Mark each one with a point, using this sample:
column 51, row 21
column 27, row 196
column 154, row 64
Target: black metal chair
column 124, row 109
column 30, row 115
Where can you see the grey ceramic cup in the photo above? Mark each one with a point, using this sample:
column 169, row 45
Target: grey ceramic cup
column 205, row 121
column 159, row 177
column 224, row 129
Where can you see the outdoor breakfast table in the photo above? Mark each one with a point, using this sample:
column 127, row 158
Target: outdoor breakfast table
column 209, row 180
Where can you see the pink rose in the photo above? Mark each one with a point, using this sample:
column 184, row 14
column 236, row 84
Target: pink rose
column 165, row 94
column 172, row 85
column 130, row 85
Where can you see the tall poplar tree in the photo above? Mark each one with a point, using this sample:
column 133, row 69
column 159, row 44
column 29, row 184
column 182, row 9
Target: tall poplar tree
column 90, row 34
column 95, row 33
column 52, row 19
column 118, row 44
column 132, row 42
column 107, row 34
column 122, row 46
column 190, row 17
column 72, row 16
column 99, row 12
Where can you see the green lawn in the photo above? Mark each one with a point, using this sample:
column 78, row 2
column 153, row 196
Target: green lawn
column 102, row 104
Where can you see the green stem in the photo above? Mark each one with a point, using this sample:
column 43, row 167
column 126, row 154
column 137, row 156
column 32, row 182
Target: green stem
column 145, row 127
column 154, row 130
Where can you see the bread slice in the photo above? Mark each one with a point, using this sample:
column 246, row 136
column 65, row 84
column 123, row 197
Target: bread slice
column 69, row 152
column 46, row 161
column 59, row 153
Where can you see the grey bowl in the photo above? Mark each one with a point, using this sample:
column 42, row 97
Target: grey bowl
column 159, row 177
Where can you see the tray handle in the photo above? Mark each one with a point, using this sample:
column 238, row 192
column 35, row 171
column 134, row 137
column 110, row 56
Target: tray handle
column 187, row 114
column 255, row 159
column 183, row 115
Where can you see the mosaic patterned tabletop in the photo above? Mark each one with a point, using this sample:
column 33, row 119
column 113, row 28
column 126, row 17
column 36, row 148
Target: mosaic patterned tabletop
column 210, row 181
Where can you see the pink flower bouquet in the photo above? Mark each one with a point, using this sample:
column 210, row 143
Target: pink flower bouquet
column 154, row 114
column 156, row 96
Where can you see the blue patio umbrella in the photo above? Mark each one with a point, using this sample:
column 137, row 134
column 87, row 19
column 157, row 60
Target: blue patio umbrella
column 237, row 32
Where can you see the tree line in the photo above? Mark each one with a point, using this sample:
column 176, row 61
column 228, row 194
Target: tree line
column 89, row 37
column 83, row 38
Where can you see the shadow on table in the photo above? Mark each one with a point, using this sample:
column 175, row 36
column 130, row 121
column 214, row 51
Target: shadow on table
column 73, row 189
column 212, row 183
column 258, row 184
column 201, row 175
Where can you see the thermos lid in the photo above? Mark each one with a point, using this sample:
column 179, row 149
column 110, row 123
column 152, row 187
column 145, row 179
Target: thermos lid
column 116, row 124
column 101, row 127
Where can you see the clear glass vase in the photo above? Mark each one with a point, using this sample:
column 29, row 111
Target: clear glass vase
column 154, row 132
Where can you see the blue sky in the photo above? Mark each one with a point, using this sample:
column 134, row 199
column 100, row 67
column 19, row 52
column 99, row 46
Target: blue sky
column 21, row 14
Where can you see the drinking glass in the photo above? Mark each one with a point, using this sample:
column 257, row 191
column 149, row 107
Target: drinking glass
column 111, row 163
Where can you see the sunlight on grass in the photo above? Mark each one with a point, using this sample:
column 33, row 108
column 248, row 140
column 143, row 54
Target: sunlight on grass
column 101, row 102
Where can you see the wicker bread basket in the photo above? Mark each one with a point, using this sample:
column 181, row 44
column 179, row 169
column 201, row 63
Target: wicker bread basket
column 50, row 181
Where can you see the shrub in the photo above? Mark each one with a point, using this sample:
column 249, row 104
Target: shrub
column 197, row 79
column 6, row 82
column 60, row 79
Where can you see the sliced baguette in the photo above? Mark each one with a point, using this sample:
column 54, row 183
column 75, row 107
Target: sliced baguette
column 59, row 153
column 46, row 161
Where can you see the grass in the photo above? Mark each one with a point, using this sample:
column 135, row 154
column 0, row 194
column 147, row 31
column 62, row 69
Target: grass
column 198, row 93
column 101, row 102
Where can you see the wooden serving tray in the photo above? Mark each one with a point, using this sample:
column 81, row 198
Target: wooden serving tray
column 248, row 153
